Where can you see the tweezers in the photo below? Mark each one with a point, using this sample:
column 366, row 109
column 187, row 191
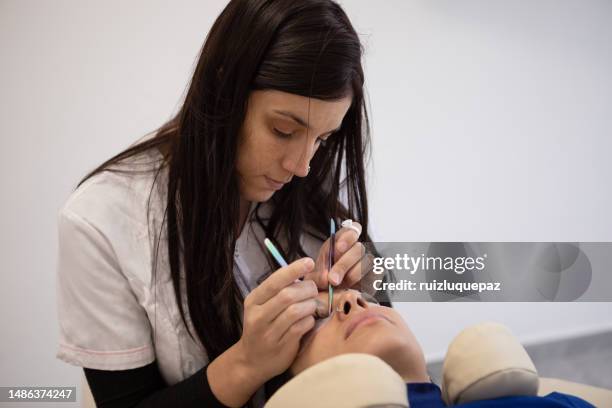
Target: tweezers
column 330, row 263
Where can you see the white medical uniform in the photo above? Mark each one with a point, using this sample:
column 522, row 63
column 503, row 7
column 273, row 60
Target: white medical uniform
column 114, row 312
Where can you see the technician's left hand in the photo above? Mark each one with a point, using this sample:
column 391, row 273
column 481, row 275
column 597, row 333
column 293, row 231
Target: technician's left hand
column 350, row 260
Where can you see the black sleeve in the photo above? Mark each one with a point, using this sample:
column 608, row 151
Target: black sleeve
column 144, row 387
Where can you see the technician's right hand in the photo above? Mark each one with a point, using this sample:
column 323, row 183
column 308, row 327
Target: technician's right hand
column 276, row 315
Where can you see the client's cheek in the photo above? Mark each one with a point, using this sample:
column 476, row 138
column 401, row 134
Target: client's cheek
column 324, row 347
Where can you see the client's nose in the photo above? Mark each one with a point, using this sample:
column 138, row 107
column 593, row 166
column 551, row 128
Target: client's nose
column 350, row 302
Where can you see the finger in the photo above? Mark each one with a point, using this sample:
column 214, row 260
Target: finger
column 345, row 263
column 294, row 293
column 319, row 277
column 298, row 330
column 291, row 315
column 322, row 300
column 280, row 279
column 320, row 271
column 358, row 272
column 346, row 237
column 322, row 304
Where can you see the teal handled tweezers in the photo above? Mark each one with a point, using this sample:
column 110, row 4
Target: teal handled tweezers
column 330, row 263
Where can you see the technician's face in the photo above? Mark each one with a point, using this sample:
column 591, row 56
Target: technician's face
column 274, row 146
column 363, row 327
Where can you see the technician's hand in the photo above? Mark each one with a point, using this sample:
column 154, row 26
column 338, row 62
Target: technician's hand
column 350, row 260
column 276, row 315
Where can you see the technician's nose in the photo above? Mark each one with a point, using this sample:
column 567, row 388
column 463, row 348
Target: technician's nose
column 349, row 303
column 298, row 162
column 297, row 167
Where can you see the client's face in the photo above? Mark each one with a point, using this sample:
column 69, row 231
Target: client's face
column 360, row 326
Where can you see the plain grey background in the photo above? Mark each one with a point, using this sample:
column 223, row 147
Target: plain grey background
column 491, row 121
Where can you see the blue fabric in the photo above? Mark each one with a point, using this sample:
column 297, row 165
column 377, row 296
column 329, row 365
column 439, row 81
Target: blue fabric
column 428, row 395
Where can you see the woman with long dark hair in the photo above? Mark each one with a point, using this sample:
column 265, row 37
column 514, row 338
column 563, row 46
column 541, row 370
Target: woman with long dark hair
column 166, row 294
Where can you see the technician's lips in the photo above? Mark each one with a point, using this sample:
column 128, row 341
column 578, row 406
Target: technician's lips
column 276, row 185
column 364, row 318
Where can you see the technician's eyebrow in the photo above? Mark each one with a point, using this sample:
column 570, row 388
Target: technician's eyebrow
column 301, row 121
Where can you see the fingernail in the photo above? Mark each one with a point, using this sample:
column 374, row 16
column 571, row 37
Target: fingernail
column 308, row 264
column 334, row 278
column 341, row 246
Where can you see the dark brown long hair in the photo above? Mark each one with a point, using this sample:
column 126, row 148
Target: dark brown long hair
column 303, row 47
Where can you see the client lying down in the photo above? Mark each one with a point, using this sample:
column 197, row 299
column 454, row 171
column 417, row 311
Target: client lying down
column 359, row 325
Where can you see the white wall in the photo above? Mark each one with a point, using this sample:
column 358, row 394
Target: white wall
column 491, row 121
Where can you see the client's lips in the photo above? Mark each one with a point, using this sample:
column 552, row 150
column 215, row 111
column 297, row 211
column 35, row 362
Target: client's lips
column 362, row 318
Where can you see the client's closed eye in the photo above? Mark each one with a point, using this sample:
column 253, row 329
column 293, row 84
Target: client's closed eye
column 321, row 310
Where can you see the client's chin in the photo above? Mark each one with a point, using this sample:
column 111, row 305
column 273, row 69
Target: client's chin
column 398, row 348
